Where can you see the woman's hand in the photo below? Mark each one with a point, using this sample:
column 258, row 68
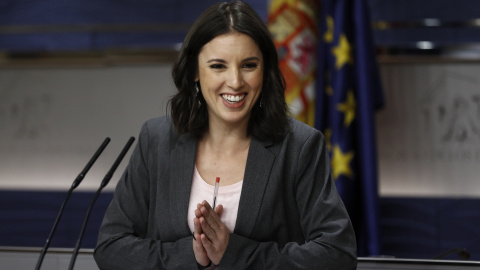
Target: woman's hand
column 200, row 252
column 198, row 249
column 215, row 234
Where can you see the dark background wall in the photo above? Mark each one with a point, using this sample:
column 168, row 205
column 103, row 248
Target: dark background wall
column 53, row 25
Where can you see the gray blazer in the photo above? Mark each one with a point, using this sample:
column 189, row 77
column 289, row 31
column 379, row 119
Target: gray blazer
column 290, row 215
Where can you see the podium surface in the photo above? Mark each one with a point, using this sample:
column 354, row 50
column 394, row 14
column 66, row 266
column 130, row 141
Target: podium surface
column 22, row 258
column 417, row 264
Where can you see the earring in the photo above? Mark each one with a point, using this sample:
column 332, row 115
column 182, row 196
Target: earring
column 197, row 90
column 261, row 100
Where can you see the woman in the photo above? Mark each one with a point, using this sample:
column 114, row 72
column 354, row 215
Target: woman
column 277, row 206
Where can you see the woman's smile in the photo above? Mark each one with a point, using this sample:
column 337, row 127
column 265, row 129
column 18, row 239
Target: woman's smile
column 233, row 98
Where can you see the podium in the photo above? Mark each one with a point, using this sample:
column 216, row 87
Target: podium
column 416, row 264
column 24, row 258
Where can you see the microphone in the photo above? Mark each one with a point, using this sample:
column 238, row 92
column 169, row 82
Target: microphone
column 104, row 183
column 75, row 184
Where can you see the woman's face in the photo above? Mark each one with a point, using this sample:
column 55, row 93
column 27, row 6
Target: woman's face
column 230, row 72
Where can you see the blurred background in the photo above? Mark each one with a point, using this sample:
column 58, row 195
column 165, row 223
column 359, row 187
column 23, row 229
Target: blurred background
column 75, row 72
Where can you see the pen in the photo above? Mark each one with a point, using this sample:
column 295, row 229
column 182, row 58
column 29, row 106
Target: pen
column 215, row 193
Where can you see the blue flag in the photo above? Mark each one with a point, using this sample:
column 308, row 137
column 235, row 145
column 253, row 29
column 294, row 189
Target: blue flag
column 348, row 92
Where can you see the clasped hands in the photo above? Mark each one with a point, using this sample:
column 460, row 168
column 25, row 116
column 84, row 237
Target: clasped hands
column 211, row 234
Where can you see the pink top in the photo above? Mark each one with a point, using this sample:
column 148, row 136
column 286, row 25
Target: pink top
column 228, row 196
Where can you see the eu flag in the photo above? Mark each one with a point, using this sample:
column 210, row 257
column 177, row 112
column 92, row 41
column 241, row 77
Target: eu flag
column 348, row 92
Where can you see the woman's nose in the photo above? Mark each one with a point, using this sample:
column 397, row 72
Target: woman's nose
column 235, row 79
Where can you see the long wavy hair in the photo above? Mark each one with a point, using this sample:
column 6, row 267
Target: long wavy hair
column 189, row 109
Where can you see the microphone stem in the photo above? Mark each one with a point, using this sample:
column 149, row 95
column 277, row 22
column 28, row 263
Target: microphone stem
column 82, row 231
column 52, row 232
column 75, row 184
column 104, row 183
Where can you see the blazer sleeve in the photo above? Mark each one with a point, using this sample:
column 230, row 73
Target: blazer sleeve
column 329, row 236
column 123, row 242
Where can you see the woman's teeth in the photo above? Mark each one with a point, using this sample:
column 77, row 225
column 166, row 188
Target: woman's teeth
column 233, row 99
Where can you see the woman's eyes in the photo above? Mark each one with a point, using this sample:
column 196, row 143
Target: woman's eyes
column 251, row 65
column 217, row 66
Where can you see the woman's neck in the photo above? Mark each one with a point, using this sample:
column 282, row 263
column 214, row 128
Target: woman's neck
column 223, row 153
column 221, row 137
column 226, row 141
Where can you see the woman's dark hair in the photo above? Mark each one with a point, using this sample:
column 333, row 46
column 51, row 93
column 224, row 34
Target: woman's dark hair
column 189, row 110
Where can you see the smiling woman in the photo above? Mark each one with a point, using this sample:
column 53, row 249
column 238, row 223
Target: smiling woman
column 277, row 205
column 230, row 73
column 187, row 113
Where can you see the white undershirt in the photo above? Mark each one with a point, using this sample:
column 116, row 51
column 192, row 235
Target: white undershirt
column 228, row 196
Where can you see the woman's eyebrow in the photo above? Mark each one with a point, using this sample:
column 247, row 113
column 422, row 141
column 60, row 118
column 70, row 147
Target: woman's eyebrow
column 223, row 61
column 216, row 60
column 251, row 58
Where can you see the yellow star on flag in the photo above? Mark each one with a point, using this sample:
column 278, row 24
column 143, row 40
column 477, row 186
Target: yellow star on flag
column 342, row 52
column 328, row 36
column 328, row 86
column 341, row 162
column 348, row 108
column 328, row 137
column 329, row 90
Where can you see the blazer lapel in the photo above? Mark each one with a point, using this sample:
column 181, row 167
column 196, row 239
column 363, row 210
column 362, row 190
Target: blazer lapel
column 182, row 162
column 257, row 172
